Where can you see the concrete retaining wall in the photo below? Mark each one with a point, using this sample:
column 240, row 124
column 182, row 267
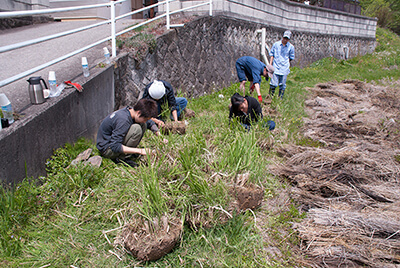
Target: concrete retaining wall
column 93, row 13
column 22, row 5
column 31, row 140
column 200, row 57
column 19, row 5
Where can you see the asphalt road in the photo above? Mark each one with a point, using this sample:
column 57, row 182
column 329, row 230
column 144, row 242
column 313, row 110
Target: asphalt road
column 22, row 59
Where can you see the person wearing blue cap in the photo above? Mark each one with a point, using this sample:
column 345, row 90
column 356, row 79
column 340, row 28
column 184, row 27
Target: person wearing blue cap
column 250, row 68
column 282, row 52
column 248, row 110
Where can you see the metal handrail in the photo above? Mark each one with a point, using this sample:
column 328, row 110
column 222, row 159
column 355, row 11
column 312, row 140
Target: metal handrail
column 111, row 21
column 49, row 37
column 16, row 14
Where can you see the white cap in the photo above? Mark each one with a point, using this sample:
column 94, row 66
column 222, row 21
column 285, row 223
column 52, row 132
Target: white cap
column 52, row 75
column 287, row 34
column 106, row 50
column 4, row 100
column 84, row 61
column 157, row 90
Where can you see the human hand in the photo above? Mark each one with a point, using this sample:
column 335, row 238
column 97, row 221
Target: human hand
column 145, row 151
column 160, row 123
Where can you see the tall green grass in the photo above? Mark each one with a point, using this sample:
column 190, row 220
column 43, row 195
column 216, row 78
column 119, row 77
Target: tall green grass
column 72, row 216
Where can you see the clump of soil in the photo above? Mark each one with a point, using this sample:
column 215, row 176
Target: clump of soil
column 173, row 127
column 149, row 241
column 247, row 195
column 348, row 187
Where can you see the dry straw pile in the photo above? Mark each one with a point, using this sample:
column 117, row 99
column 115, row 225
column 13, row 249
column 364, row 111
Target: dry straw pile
column 349, row 186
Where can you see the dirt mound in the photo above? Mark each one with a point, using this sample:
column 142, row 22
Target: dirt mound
column 349, row 187
column 247, row 195
column 173, row 127
column 149, row 241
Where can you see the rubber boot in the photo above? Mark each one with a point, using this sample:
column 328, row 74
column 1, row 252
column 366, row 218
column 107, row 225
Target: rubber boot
column 271, row 90
column 281, row 92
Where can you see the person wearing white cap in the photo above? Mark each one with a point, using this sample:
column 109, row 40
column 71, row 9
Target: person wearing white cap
column 282, row 52
column 163, row 93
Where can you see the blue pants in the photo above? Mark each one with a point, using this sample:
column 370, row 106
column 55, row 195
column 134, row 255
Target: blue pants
column 268, row 124
column 278, row 80
column 180, row 106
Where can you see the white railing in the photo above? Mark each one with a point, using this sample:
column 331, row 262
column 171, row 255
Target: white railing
column 111, row 21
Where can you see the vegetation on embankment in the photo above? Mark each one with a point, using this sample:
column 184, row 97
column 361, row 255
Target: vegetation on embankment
column 73, row 217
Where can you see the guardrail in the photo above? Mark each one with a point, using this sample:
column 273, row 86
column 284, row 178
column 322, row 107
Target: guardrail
column 111, row 21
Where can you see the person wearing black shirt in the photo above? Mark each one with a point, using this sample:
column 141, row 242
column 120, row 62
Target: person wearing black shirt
column 248, row 110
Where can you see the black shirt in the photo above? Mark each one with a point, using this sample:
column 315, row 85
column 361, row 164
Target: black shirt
column 254, row 112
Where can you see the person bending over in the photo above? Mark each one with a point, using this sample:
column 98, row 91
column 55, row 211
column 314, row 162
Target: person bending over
column 163, row 93
column 250, row 68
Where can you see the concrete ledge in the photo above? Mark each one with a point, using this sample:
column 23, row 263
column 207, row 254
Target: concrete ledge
column 26, row 144
column 291, row 15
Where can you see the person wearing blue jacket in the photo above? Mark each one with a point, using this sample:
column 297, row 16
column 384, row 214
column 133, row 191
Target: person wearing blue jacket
column 282, row 52
column 250, row 68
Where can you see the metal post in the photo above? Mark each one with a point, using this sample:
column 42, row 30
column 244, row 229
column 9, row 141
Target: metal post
column 346, row 52
column 167, row 12
column 113, row 41
column 263, row 32
column 211, row 7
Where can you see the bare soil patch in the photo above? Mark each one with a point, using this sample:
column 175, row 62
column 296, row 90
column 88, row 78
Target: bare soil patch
column 350, row 186
column 173, row 127
column 149, row 241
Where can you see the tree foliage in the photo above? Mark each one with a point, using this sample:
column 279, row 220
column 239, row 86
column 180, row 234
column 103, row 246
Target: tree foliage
column 387, row 12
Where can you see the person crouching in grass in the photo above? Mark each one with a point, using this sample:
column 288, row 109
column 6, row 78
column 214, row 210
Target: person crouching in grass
column 248, row 110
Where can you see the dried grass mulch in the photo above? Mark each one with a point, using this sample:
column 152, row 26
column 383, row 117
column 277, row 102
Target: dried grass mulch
column 350, row 186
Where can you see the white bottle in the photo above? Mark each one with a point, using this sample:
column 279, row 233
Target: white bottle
column 6, row 108
column 106, row 55
column 85, row 67
column 53, row 84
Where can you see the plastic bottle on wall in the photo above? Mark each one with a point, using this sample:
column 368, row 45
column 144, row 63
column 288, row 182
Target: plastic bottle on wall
column 85, row 67
column 106, row 55
column 6, row 108
column 53, row 84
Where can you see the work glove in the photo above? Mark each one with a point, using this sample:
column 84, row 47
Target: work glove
column 78, row 87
